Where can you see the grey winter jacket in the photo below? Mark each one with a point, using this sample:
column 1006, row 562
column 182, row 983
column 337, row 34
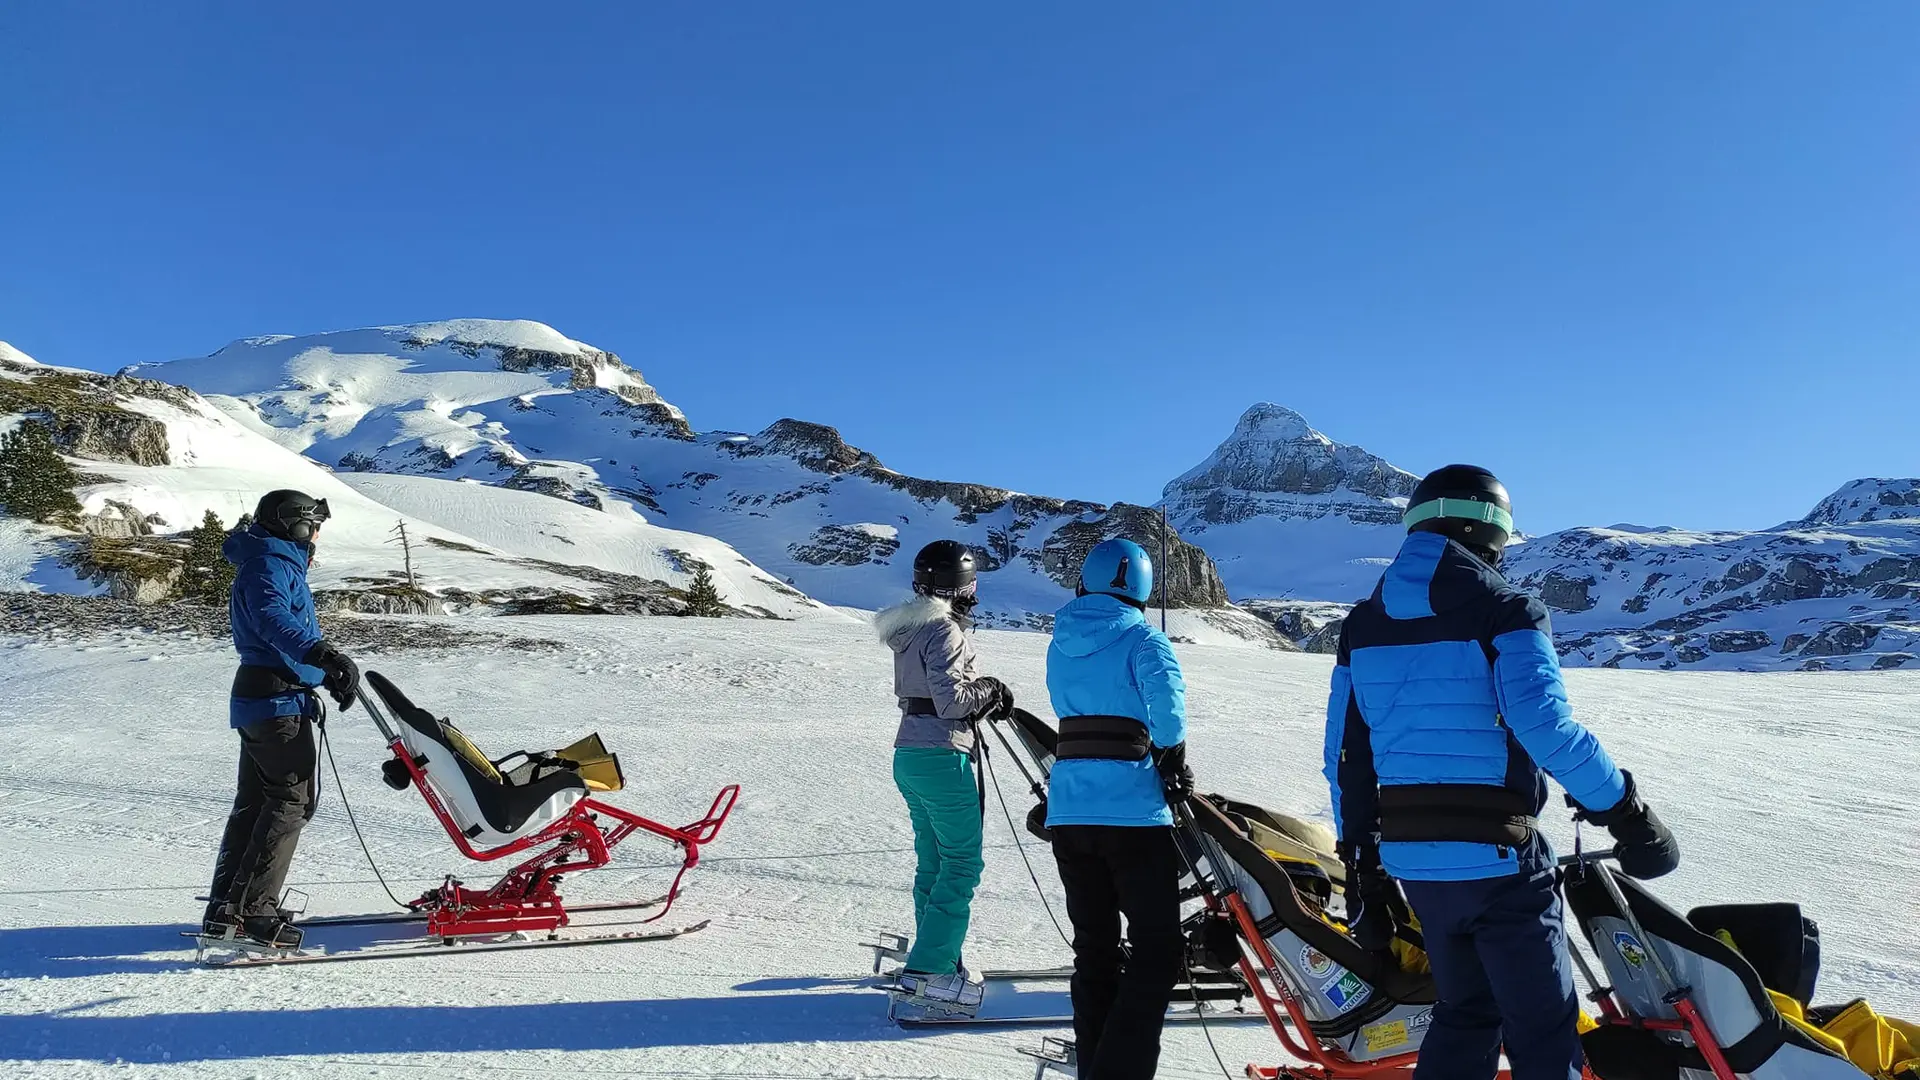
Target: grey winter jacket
column 932, row 659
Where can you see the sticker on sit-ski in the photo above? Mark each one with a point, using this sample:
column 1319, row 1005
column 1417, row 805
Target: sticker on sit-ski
column 1347, row 993
column 1630, row 949
column 1316, row 962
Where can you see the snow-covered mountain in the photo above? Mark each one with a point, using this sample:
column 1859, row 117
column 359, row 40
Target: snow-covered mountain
column 1838, row 588
column 1286, row 512
column 537, row 462
column 519, row 405
column 155, row 457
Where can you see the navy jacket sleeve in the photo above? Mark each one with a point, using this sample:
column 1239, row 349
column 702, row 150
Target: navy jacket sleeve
column 1156, row 673
column 266, row 586
column 1352, row 784
column 1533, row 700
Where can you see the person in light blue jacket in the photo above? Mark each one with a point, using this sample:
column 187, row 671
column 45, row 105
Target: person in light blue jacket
column 1120, row 765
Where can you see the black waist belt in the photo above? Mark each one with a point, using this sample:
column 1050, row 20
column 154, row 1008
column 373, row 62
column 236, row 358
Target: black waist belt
column 1468, row 813
column 255, row 681
column 919, row 706
column 1113, row 738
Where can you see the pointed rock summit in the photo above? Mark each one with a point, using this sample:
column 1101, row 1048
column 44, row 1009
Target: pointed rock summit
column 1277, row 503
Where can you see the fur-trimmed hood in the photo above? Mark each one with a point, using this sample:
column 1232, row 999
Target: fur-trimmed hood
column 897, row 625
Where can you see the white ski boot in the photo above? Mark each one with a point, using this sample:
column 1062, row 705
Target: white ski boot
column 957, row 993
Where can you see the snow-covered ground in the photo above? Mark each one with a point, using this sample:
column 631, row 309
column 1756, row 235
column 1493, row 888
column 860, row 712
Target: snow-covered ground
column 118, row 769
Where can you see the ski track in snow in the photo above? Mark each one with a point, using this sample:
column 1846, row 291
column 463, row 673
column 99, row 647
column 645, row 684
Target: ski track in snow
column 1781, row 787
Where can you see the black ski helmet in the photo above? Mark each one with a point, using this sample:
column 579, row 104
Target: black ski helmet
column 1464, row 503
column 291, row 515
column 944, row 568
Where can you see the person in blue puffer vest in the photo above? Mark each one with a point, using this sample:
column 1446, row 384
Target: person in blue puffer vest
column 1446, row 716
column 1120, row 765
column 283, row 657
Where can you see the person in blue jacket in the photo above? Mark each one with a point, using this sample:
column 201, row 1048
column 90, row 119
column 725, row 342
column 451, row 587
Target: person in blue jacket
column 273, row 708
column 1120, row 765
column 1447, row 714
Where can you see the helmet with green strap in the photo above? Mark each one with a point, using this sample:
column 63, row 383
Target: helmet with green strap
column 1464, row 503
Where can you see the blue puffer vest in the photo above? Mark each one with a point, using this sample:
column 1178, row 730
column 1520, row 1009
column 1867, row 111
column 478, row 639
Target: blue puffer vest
column 1447, row 693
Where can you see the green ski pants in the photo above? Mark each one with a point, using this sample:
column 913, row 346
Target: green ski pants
column 944, row 802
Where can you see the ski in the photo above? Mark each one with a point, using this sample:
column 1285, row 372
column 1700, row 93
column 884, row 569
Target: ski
column 421, row 915
column 1053, row 1052
column 254, row 958
column 384, row 918
column 1045, row 974
column 1181, row 1016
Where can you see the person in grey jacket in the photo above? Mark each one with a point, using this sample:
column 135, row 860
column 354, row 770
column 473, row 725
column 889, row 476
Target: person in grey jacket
column 941, row 695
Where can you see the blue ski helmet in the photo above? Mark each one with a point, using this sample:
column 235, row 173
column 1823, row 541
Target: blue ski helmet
column 1118, row 568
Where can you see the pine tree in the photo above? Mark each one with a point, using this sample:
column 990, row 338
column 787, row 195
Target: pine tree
column 206, row 576
column 703, row 598
column 35, row 481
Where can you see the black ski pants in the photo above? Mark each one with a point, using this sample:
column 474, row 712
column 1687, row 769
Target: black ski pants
column 1120, row 997
column 277, row 794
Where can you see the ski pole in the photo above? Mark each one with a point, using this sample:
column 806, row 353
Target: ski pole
column 1032, row 784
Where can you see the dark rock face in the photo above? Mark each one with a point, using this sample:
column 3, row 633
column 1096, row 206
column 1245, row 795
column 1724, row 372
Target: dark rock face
column 84, row 411
column 816, row 446
column 1734, row 641
column 113, row 435
column 845, row 545
column 1841, row 639
column 1563, row 593
column 1189, row 575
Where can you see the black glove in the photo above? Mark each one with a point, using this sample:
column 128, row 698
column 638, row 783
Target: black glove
column 1642, row 845
column 342, row 679
column 1370, row 899
column 1176, row 778
column 1000, row 703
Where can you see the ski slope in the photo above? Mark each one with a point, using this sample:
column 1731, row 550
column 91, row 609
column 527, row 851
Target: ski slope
column 1785, row 786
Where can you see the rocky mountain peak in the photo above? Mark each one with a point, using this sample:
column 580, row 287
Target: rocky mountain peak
column 816, row 446
column 1276, row 464
column 1868, row 500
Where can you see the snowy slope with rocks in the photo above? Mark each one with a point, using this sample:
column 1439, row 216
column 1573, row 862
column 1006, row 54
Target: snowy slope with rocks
column 1773, row 784
column 1286, row 512
column 1839, row 588
column 519, row 405
column 155, row 457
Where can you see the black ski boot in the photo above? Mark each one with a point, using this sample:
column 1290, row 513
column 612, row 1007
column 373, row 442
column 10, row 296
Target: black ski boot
column 219, row 921
column 273, row 931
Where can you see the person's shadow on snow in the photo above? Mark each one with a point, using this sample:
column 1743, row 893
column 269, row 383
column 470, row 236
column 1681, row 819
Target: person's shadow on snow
column 763, row 1011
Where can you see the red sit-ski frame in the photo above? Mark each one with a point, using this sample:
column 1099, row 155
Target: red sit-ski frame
column 527, row 898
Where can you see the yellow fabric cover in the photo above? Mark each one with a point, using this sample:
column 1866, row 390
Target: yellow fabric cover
column 463, row 746
column 1880, row 1046
column 598, row 768
column 1286, row 837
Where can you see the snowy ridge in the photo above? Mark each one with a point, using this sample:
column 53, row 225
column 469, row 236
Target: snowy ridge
column 1280, row 517
column 519, row 405
column 156, row 458
column 1839, row 589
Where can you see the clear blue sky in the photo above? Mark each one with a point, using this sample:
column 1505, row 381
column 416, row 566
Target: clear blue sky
column 1656, row 263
